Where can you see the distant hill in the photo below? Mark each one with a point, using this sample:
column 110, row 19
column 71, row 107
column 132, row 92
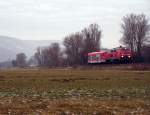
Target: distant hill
column 10, row 46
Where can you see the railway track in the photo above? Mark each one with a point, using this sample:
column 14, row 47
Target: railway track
column 136, row 66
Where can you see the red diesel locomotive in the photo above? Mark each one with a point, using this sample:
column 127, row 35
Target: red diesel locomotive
column 120, row 54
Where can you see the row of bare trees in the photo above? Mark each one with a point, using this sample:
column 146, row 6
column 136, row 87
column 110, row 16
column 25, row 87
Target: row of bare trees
column 135, row 35
column 77, row 45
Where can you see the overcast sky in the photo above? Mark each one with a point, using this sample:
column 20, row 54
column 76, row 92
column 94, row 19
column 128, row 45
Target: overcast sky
column 54, row 19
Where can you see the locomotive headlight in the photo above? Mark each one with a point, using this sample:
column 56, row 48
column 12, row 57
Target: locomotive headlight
column 129, row 56
column 122, row 56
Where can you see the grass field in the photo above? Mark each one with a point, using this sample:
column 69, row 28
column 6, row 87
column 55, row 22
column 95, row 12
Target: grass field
column 80, row 92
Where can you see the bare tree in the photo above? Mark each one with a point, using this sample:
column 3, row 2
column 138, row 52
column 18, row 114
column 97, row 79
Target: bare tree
column 92, row 39
column 48, row 56
column 146, row 53
column 54, row 54
column 135, row 29
column 14, row 63
column 38, row 56
column 21, row 60
column 74, row 46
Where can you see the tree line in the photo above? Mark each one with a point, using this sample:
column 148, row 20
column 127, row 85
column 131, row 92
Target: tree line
column 135, row 31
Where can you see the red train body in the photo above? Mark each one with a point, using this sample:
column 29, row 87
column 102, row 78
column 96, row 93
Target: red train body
column 120, row 54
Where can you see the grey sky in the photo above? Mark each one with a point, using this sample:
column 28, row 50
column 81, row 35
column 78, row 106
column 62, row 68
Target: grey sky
column 54, row 19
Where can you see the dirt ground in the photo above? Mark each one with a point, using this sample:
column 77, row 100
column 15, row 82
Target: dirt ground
column 73, row 106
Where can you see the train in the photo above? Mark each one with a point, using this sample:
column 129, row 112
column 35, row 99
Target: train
column 115, row 55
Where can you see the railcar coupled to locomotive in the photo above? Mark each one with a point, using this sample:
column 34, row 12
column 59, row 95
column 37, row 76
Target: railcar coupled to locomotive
column 119, row 54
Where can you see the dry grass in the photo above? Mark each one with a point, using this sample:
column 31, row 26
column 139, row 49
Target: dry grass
column 67, row 91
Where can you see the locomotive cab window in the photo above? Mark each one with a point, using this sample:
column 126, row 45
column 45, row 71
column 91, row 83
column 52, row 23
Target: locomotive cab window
column 114, row 50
